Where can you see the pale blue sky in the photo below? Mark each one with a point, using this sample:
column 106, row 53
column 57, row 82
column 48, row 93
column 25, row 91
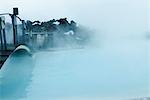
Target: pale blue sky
column 107, row 16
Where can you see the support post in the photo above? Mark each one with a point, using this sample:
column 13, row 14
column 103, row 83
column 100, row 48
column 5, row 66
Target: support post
column 1, row 37
column 5, row 43
column 14, row 22
column 23, row 31
column 2, row 34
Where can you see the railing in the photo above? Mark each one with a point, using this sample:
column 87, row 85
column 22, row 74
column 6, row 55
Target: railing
column 17, row 36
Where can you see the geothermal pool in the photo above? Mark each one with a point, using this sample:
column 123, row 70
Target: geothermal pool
column 114, row 70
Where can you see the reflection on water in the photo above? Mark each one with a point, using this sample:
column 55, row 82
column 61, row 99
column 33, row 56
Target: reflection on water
column 15, row 76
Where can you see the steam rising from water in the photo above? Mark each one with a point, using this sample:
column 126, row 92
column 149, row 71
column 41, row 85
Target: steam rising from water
column 115, row 65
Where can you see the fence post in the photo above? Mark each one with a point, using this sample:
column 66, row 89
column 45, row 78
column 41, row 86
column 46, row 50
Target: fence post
column 1, row 37
column 14, row 22
column 23, row 31
column 2, row 34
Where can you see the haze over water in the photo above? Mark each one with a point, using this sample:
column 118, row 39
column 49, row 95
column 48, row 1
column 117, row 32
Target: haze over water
column 116, row 65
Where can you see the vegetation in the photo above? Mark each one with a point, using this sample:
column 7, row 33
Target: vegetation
column 63, row 33
column 53, row 33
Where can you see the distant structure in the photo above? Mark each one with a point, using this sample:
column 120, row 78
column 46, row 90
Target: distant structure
column 55, row 33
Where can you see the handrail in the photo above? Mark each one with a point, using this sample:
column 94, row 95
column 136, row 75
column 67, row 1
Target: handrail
column 11, row 15
column 5, row 14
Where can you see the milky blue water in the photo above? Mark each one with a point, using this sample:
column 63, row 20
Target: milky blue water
column 114, row 70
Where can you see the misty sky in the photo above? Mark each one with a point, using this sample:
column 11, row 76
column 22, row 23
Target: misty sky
column 106, row 16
